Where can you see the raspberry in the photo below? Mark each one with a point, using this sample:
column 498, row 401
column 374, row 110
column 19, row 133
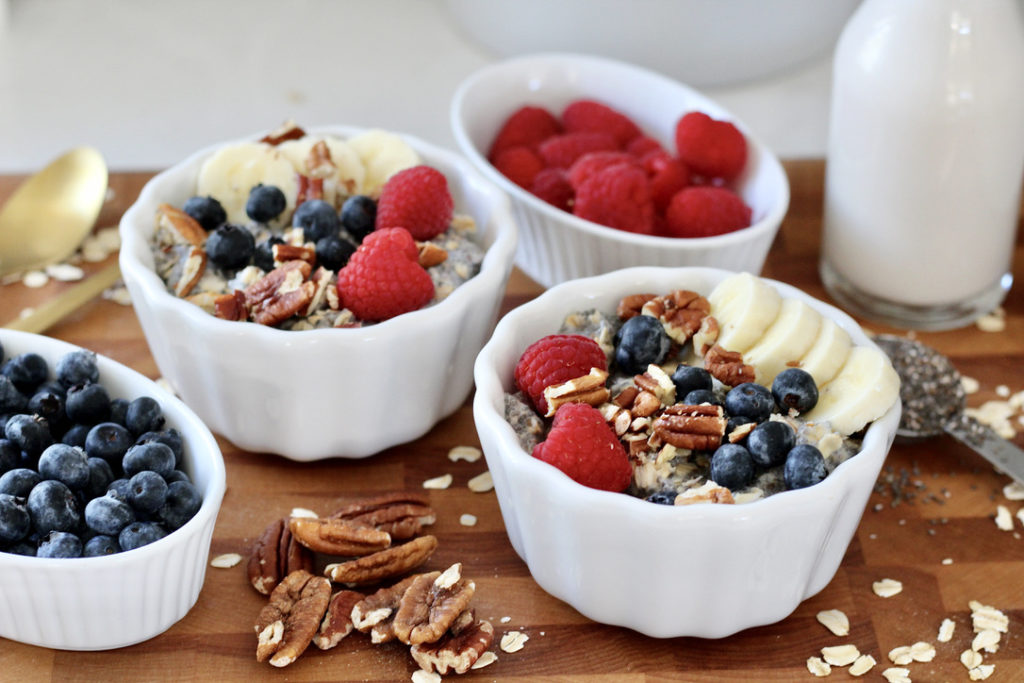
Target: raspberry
column 705, row 211
column 552, row 185
column 527, row 126
column 667, row 176
column 618, row 197
column 561, row 151
column 592, row 162
column 585, row 448
column 383, row 278
column 710, row 147
column 555, row 359
column 418, row 200
column 643, row 145
column 519, row 164
column 587, row 116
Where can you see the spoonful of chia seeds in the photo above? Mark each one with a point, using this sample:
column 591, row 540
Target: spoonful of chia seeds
column 934, row 399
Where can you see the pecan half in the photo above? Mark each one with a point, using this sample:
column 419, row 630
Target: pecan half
column 338, row 536
column 681, row 313
column 697, row 428
column 337, row 622
column 401, row 514
column 431, row 604
column 288, row 130
column 375, row 614
column 457, row 650
column 276, row 554
column 192, row 270
column 430, row 254
column 178, row 227
column 286, row 625
column 589, row 389
column 728, row 366
column 384, row 564
column 281, row 293
column 231, row 306
column 630, row 306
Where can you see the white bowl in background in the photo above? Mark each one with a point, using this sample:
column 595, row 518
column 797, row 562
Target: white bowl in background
column 556, row 246
column 665, row 571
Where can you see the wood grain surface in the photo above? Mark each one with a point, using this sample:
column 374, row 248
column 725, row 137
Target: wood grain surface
column 942, row 544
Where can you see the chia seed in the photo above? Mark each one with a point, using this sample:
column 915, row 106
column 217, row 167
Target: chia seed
column 930, row 387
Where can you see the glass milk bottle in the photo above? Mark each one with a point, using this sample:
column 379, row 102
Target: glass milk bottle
column 925, row 160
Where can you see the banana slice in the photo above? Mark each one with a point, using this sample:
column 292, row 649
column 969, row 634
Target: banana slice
column 383, row 154
column 346, row 181
column 827, row 353
column 785, row 341
column 865, row 388
column 233, row 171
column 744, row 306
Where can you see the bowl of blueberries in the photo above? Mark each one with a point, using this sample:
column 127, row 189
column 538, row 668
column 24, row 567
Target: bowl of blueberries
column 109, row 491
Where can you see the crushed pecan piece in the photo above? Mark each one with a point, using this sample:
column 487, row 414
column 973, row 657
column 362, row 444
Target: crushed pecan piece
column 337, row 622
column 697, row 428
column 710, row 492
column 288, row 130
column 625, row 398
column 589, row 389
column 401, row 514
column 322, row 278
column 286, row 625
column 681, row 313
column 283, row 253
column 178, row 226
column 309, row 188
column 338, row 536
column 630, row 306
column 431, row 604
column 275, row 555
column 430, row 254
column 375, row 614
column 645, row 404
column 657, row 382
column 458, row 649
column 231, row 306
column 192, row 271
column 318, row 162
column 384, row 564
column 728, row 366
column 706, row 336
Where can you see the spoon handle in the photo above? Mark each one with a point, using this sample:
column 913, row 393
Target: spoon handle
column 66, row 302
column 1004, row 455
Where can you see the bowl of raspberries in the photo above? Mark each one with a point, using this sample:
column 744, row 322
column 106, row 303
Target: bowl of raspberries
column 109, row 491
column 319, row 293
column 713, row 432
column 610, row 165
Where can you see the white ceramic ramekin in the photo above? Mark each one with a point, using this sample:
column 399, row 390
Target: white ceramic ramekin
column 316, row 394
column 101, row 603
column 697, row 570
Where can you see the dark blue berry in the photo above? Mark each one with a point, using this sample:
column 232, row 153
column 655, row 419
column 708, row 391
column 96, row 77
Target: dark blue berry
column 108, row 440
column 805, row 466
column 10, row 455
column 100, row 477
column 168, row 437
column 60, row 544
column 333, row 252
column 120, row 489
column 30, row 434
column 108, row 515
column 15, row 522
column 147, row 491
column 153, row 456
column 53, row 507
column 87, row 404
column 101, row 545
column 750, row 400
column 263, row 256
column 11, row 400
column 144, row 415
column 75, row 436
column 138, row 534
column 359, row 216
column 732, row 467
column 49, row 404
column 318, row 219
column 26, row 548
column 26, row 370
column 640, row 342
column 207, row 211
column 795, row 388
column 230, row 246
column 19, row 481
column 265, row 203
column 698, row 396
column 689, row 378
column 183, row 502
column 66, row 464
column 770, row 442
column 178, row 475
column 118, row 410
column 662, row 498
column 77, row 367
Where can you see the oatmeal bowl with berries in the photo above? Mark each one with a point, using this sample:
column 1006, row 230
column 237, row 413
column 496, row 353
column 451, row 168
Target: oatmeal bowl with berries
column 321, row 293
column 682, row 451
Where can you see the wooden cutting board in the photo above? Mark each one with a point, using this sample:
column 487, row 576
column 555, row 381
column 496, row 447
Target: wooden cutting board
column 937, row 537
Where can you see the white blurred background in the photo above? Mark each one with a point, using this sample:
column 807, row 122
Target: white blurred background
column 148, row 81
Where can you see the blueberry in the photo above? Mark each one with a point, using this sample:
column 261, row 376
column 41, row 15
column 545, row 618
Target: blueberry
column 120, row 489
column 77, row 367
column 29, row 433
column 732, row 466
column 698, row 396
column 359, row 216
column 66, row 464
column 144, row 415
column 147, row 491
column 15, row 522
column 10, row 455
column 640, row 342
column 230, row 246
column 108, row 515
column 118, row 410
column 108, row 440
column 88, row 404
column 333, row 252
column 75, row 436
column 49, row 404
column 60, row 544
column 662, row 498
column 26, row 370
column 25, row 548
column 168, row 437
column 138, row 534
column 733, row 423
column 263, row 256
column 318, row 219
column 53, row 507
column 19, row 481
column 805, row 466
column 100, row 477
column 177, row 475
column 153, row 456
column 689, row 378
column 751, row 400
column 795, row 388
column 11, row 400
column 207, row 211
column 770, row 442
column 101, row 545
column 183, row 502
column 265, row 203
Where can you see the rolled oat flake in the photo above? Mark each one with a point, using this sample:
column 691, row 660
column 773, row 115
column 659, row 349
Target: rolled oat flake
column 933, row 400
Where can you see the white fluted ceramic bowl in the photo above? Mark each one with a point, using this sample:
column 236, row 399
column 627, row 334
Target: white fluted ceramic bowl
column 695, row 570
column 101, row 603
column 556, row 246
column 314, row 394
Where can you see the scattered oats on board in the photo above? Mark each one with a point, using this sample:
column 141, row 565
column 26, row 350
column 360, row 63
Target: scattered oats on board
column 901, row 655
column 1020, row 517
column 970, row 659
column 484, row 660
column 513, row 641
column 840, row 655
column 946, row 629
column 981, row 672
column 922, row 651
column 985, row 617
column 834, row 620
column 226, row 561
column 467, row 453
column 992, row 322
column 481, row 483
column 505, row 620
column 987, row 640
column 862, row 665
column 304, row 513
column 26, row 312
column 1004, row 520
column 886, row 588
column 947, row 561
column 896, row 674
column 35, row 279
column 1003, row 391
column 1014, row 491
column 442, row 482
column 969, row 384
column 64, row 272
column 818, row 667
column 118, row 294
column 422, row 676
column 467, row 519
